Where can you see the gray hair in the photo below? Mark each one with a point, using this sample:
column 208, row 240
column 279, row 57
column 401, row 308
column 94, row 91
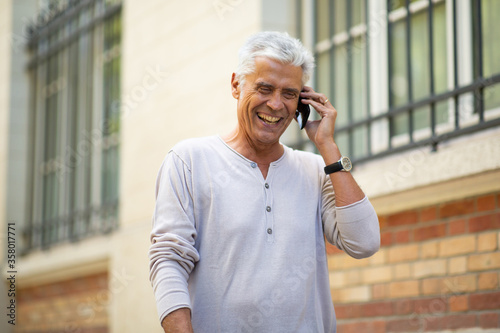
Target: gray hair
column 277, row 46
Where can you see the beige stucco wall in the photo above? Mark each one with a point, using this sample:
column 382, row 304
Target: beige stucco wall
column 461, row 167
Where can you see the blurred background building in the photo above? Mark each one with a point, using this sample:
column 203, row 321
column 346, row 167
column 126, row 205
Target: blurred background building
column 95, row 92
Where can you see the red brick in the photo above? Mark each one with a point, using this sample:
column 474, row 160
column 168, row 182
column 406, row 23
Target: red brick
column 382, row 221
column 431, row 323
column 459, row 303
column 438, row 323
column 484, row 301
column 459, row 321
column 386, row 238
column 403, row 218
column 489, row 320
column 484, row 222
column 380, row 291
column 457, row 227
column 348, row 311
column 402, row 236
column 367, row 326
column 403, row 325
column 377, row 309
column 486, row 203
column 404, row 306
column 428, row 214
column 429, row 232
column 430, row 305
column 457, row 208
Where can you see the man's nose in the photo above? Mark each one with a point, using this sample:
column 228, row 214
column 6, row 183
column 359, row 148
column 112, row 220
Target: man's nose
column 275, row 102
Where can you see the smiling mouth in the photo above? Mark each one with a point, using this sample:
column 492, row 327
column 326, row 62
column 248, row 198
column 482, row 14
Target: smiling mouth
column 268, row 119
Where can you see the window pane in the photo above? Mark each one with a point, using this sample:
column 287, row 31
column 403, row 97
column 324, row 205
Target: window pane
column 422, row 118
column 342, row 141
column 420, row 55
column 359, row 141
column 358, row 92
column 51, row 127
column 324, row 74
column 341, row 92
column 323, row 20
column 378, row 135
column 399, row 79
column 358, row 12
column 400, row 124
column 491, row 43
column 395, row 4
column 110, row 177
column 442, row 112
column 492, row 97
column 340, row 16
column 439, row 48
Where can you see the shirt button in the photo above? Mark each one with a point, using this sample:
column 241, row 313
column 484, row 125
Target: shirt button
column 269, row 231
column 253, row 165
column 266, row 185
column 268, row 208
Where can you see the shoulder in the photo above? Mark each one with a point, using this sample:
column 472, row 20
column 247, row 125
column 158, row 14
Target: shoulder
column 191, row 149
column 305, row 158
column 195, row 145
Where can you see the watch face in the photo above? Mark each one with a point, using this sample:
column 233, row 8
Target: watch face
column 346, row 163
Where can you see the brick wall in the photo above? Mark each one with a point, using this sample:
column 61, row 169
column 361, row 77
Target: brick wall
column 73, row 306
column 438, row 269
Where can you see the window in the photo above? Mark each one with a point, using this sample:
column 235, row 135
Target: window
column 406, row 73
column 75, row 86
column 341, row 53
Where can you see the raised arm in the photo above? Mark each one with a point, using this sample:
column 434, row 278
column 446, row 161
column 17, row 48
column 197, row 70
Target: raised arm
column 350, row 222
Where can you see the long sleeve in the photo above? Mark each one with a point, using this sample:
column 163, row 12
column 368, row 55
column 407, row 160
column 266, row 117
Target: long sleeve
column 172, row 253
column 353, row 228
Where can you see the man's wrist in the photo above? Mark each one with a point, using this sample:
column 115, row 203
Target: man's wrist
column 329, row 151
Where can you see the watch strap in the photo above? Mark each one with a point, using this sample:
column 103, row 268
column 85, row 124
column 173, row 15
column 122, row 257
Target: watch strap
column 334, row 167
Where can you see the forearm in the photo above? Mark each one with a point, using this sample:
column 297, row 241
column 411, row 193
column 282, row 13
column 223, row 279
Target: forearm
column 178, row 321
column 345, row 187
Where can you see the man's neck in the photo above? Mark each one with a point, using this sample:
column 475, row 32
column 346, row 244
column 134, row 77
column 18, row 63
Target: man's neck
column 263, row 155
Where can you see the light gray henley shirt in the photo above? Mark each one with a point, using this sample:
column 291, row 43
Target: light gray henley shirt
column 244, row 253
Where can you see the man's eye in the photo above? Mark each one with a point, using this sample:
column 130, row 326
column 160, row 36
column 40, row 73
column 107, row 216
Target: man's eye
column 290, row 95
column 265, row 90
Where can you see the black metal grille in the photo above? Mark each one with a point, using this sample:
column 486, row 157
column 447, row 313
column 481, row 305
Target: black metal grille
column 68, row 136
column 401, row 117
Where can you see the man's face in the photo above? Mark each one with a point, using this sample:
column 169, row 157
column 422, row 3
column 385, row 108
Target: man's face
column 268, row 100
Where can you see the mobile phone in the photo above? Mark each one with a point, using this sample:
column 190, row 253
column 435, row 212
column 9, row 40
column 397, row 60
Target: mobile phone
column 302, row 113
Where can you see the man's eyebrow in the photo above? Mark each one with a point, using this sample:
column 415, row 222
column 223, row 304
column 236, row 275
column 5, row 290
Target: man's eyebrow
column 268, row 85
column 292, row 90
column 264, row 84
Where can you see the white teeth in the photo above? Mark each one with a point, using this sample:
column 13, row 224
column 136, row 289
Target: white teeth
column 269, row 119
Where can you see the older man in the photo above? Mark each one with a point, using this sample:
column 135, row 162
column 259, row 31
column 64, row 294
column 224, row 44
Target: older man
column 240, row 220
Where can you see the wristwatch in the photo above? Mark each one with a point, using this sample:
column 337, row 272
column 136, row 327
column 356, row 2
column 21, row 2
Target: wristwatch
column 344, row 164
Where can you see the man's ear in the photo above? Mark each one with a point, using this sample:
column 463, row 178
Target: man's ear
column 235, row 86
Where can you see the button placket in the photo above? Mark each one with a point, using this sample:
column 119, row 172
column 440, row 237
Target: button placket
column 268, row 195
